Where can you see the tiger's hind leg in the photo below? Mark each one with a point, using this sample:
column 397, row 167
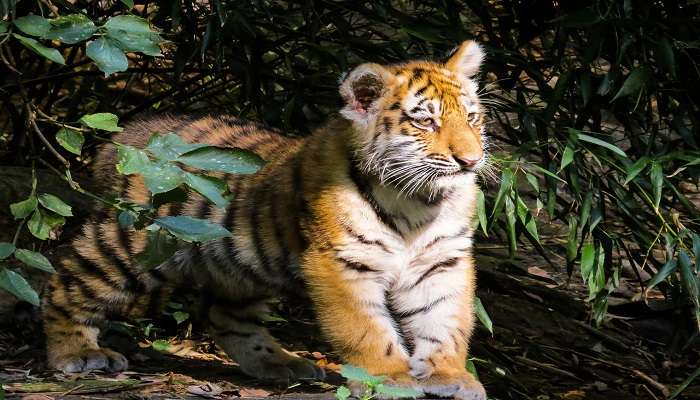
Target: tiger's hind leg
column 71, row 320
column 96, row 279
column 237, row 328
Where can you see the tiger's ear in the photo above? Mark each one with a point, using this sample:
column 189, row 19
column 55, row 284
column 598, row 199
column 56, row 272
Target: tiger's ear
column 361, row 89
column 466, row 59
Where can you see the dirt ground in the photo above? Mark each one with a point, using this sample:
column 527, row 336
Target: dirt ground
column 542, row 346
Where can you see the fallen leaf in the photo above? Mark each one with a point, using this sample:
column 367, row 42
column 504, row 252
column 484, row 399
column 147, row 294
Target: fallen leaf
column 37, row 397
column 537, row 271
column 573, row 395
column 253, row 392
column 208, row 390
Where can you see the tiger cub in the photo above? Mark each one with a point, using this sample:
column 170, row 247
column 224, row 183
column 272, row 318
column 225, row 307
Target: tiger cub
column 370, row 217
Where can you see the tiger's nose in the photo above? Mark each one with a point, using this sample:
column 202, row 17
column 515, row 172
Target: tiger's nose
column 468, row 161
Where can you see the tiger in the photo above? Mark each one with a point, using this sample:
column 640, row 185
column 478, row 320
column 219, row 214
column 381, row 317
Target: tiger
column 370, row 217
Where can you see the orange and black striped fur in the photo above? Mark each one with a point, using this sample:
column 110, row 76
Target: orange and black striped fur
column 371, row 216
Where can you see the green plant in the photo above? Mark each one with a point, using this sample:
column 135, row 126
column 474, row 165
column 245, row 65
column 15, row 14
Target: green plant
column 374, row 386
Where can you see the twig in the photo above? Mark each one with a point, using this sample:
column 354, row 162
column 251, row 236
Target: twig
column 73, row 389
column 661, row 387
column 31, row 119
column 547, row 367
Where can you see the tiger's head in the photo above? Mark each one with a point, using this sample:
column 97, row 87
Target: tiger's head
column 419, row 124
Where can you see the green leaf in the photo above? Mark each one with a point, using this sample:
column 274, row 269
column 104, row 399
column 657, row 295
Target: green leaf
column 696, row 249
column 527, row 219
column 634, row 169
column 532, row 180
column 233, row 161
column 159, row 248
column 357, row 374
column 55, row 204
column 634, row 83
column 481, row 211
column 587, row 259
column 23, row 208
column 602, row 143
column 191, row 229
column 507, row 179
column 128, row 3
column 567, row 157
column 71, row 140
column 510, row 225
column 665, row 56
column 33, row 25
column 126, row 219
column 657, row 180
column 103, row 121
column 666, row 270
column 34, row 259
column 689, row 279
column 52, row 54
column 42, row 223
column 107, row 56
column 572, row 239
column 6, row 250
column 72, row 28
column 586, row 208
column 162, row 177
column 397, row 392
column 132, row 160
column 342, row 393
column 483, row 315
column 4, row 26
column 170, row 146
column 209, row 187
column 684, row 385
column 18, row 286
column 160, row 345
column 133, row 34
column 180, row 316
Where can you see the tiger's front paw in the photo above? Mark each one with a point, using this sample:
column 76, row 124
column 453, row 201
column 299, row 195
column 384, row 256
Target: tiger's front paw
column 460, row 386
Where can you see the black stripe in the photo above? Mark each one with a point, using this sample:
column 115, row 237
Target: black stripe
column 387, row 124
column 395, row 106
column 450, row 262
column 431, row 108
column 426, row 308
column 366, row 191
column 356, row 266
column 303, row 212
column 132, row 283
column 404, row 118
column 461, row 233
column 423, row 100
column 59, row 309
column 255, row 208
column 87, row 293
column 430, row 339
column 422, row 90
column 92, row 268
column 416, row 109
column 362, row 239
column 389, row 349
column 280, row 242
column 417, row 74
column 204, row 209
column 396, row 318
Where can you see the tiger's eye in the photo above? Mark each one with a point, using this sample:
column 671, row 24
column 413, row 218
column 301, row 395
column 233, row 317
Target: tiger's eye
column 427, row 122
